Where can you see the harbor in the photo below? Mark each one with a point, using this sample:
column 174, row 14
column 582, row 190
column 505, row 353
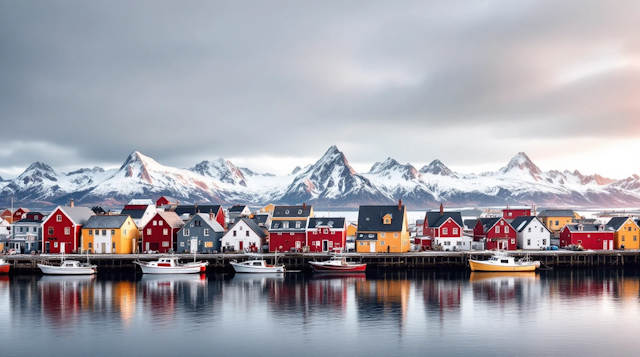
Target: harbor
column 560, row 259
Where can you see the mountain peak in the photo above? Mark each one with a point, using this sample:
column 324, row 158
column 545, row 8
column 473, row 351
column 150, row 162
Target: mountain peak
column 521, row 164
column 436, row 167
column 39, row 166
column 389, row 166
column 296, row 170
column 222, row 170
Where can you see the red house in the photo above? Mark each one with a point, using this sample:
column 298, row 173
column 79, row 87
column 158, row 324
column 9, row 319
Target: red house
column 496, row 232
column 61, row 229
column 444, row 229
column 287, row 235
column 20, row 213
column 7, row 215
column 187, row 211
column 161, row 232
column 167, row 201
column 326, row 234
column 514, row 212
column 589, row 236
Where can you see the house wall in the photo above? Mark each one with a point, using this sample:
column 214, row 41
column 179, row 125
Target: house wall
column 284, row 241
column 336, row 238
column 627, row 235
column 587, row 239
column 453, row 243
column 555, row 224
column 58, row 237
column 231, row 241
column 206, row 243
column 94, row 239
column 449, row 226
column 29, row 239
column 126, row 238
column 154, row 237
column 538, row 238
column 513, row 213
column 497, row 233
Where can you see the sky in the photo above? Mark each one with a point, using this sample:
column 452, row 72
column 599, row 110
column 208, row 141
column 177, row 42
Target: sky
column 271, row 85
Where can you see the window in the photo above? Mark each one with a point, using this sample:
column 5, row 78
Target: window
column 459, row 243
column 497, row 229
column 90, row 245
column 299, row 211
column 445, row 231
column 528, row 241
column 235, row 233
column 285, row 225
column 91, row 232
column 155, row 223
column 557, row 223
column 246, row 233
column 104, row 232
column 185, row 232
column 579, row 241
column 506, row 229
column 160, row 223
column 623, row 238
column 513, row 241
column 165, row 232
column 182, row 244
column 206, row 231
column 455, row 231
column 124, row 232
column 382, row 235
column 298, row 244
column 114, row 246
column 59, row 218
column 50, row 230
column 208, row 244
column 541, row 230
column 297, row 224
column 510, row 214
column 635, row 238
column 381, row 242
column 67, row 231
column 286, row 211
column 446, row 242
column 544, row 242
column 529, row 230
column 55, row 244
column 148, row 231
column 165, row 244
column 361, row 243
column 240, row 228
column 325, row 231
column 395, row 235
column 113, row 232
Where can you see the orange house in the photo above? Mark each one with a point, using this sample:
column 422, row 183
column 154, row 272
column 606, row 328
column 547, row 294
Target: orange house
column 625, row 234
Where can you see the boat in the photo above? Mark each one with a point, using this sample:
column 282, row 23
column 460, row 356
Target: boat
column 338, row 264
column 501, row 261
column 256, row 264
column 172, row 265
column 4, row 266
column 69, row 267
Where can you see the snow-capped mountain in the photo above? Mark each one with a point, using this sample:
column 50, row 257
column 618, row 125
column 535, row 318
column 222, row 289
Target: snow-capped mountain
column 329, row 182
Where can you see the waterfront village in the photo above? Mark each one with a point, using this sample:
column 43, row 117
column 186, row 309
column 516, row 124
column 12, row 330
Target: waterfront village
column 167, row 226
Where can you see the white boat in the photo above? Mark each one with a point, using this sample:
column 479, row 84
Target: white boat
column 172, row 265
column 338, row 264
column 501, row 261
column 69, row 267
column 257, row 265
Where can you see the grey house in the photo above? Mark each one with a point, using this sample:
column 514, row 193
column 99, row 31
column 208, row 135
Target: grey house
column 201, row 234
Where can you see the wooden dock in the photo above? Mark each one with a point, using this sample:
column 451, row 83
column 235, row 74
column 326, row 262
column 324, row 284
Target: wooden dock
column 414, row 260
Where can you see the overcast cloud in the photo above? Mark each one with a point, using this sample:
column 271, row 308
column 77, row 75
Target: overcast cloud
column 272, row 84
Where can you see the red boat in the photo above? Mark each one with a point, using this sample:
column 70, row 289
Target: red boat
column 4, row 266
column 338, row 264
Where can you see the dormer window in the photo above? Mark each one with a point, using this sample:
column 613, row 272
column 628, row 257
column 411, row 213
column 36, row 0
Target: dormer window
column 286, row 212
column 297, row 224
column 299, row 211
column 285, row 225
column 386, row 219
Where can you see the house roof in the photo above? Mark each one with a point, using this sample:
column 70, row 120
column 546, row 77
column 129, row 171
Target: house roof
column 141, row 201
column 261, row 219
column 435, row 219
column 205, row 218
column 134, row 213
column 488, row 223
column 253, row 225
column 336, row 222
column 169, row 199
column 193, row 209
column 470, row 223
column 30, row 220
column 617, row 222
column 520, row 223
column 292, row 211
column 370, row 218
column 587, row 228
column 106, row 221
column 236, row 208
column 79, row 215
column 278, row 225
column 556, row 213
column 171, row 218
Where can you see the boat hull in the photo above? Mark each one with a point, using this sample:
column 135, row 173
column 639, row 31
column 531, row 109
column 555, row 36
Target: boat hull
column 186, row 269
column 55, row 270
column 483, row 266
column 4, row 268
column 350, row 268
column 239, row 268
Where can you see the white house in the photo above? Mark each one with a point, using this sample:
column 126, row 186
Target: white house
column 531, row 233
column 244, row 235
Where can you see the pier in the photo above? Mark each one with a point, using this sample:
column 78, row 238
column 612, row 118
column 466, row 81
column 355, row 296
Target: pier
column 413, row 260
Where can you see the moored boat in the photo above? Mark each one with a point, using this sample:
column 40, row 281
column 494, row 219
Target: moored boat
column 257, row 265
column 4, row 266
column 338, row 264
column 501, row 261
column 69, row 267
column 172, row 265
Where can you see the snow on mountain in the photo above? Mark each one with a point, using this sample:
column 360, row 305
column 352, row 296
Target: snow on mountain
column 436, row 167
column 221, row 170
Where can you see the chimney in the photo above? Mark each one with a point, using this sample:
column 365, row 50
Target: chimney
column 304, row 205
column 71, row 203
column 441, row 209
column 211, row 214
column 399, row 204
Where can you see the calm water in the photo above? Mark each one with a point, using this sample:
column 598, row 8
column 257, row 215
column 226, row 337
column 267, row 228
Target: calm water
column 556, row 313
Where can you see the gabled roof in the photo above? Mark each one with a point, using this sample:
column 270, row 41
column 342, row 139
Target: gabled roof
column 171, row 218
column 278, row 225
column 134, row 213
column 573, row 228
column 170, row 199
column 316, row 222
column 236, row 208
column 253, row 225
column 193, row 209
column 370, row 218
column 106, row 221
column 204, row 217
column 470, row 223
column 556, row 213
column 78, row 215
column 260, row 219
column 520, row 223
column 140, row 202
column 435, row 219
column 488, row 223
column 617, row 222
column 292, row 211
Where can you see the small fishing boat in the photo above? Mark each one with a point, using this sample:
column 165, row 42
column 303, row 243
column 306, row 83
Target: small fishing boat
column 172, row 265
column 338, row 264
column 257, row 265
column 4, row 266
column 501, row 261
column 69, row 267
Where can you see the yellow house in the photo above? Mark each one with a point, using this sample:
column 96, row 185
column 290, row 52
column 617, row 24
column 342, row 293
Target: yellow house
column 352, row 230
column 383, row 229
column 110, row 234
column 625, row 234
column 268, row 208
column 555, row 219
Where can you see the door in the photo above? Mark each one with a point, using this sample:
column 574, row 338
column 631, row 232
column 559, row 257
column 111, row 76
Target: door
column 194, row 245
column 325, row 245
column 103, row 247
column 240, row 245
column 46, row 247
column 372, row 247
column 146, row 246
column 610, row 245
column 62, row 246
column 604, row 242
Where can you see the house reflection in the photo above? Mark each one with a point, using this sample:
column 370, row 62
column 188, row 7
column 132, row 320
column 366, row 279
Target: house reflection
column 385, row 299
column 500, row 287
column 64, row 298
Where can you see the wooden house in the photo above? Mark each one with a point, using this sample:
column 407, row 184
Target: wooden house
column 531, row 233
column 161, row 232
column 244, row 235
column 496, row 233
column 556, row 219
column 383, row 229
column 201, row 234
column 287, row 231
column 588, row 236
column 625, row 233
column 445, row 230
column 326, row 234
column 26, row 234
column 110, row 234
column 61, row 230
